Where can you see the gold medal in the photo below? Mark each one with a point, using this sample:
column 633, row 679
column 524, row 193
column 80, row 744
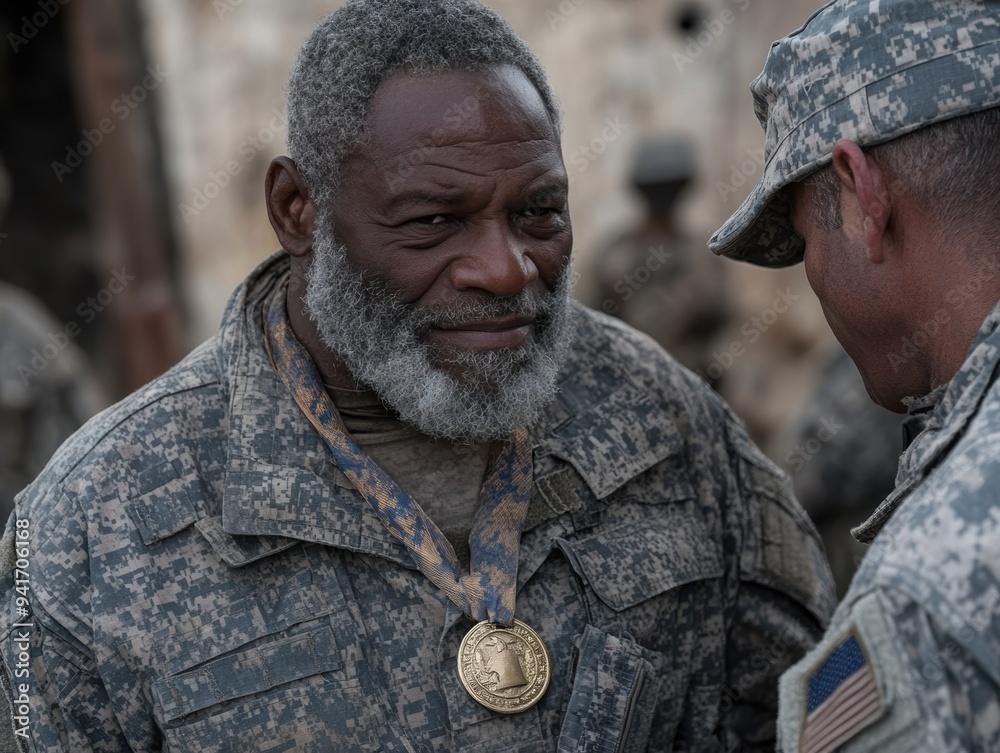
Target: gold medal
column 504, row 669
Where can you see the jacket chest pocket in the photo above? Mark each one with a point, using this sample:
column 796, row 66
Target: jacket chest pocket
column 258, row 698
column 614, row 695
column 654, row 572
column 246, row 673
column 653, row 593
column 263, row 673
column 293, row 692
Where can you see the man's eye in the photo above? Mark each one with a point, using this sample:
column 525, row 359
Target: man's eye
column 536, row 212
column 431, row 219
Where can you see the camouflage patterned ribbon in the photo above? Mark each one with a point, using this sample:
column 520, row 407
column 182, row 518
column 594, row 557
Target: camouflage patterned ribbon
column 488, row 591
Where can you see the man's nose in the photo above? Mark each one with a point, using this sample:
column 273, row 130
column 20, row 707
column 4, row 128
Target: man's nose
column 496, row 261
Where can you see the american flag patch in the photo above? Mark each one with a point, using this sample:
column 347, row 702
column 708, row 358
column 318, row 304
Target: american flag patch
column 842, row 699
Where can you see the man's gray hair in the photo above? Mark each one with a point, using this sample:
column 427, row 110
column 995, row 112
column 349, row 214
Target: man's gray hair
column 355, row 49
column 951, row 169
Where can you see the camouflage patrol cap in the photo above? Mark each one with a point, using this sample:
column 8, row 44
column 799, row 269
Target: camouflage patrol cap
column 864, row 70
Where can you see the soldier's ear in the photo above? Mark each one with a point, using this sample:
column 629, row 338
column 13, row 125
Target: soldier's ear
column 867, row 183
column 289, row 208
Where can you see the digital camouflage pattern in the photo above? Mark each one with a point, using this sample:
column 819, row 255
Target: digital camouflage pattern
column 927, row 595
column 868, row 71
column 204, row 578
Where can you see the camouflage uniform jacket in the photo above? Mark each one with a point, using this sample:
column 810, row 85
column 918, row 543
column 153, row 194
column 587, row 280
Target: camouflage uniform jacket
column 924, row 607
column 203, row 578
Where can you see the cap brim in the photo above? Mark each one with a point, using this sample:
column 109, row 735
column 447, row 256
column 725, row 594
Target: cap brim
column 759, row 232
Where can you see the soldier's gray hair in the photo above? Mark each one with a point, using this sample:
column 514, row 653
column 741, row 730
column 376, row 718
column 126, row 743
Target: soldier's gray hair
column 356, row 48
column 951, row 169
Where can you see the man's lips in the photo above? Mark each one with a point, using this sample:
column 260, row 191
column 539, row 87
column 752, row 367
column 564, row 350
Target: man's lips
column 488, row 334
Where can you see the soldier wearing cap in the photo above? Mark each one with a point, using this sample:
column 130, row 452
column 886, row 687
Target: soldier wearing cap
column 883, row 174
column 411, row 497
column 653, row 277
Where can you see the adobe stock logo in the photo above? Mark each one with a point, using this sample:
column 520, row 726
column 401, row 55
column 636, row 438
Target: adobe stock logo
column 123, row 107
column 566, row 9
column 457, row 116
column 752, row 330
column 216, row 181
column 632, row 283
column 87, row 311
column 741, row 174
column 585, row 155
column 30, row 26
column 958, row 297
column 797, row 457
column 708, row 35
column 222, row 7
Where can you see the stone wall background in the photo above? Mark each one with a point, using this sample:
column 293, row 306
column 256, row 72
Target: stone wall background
column 223, row 105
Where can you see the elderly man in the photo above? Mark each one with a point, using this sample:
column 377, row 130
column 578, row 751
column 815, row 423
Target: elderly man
column 883, row 157
column 411, row 498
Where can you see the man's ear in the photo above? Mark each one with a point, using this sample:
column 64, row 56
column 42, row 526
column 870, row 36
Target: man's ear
column 289, row 208
column 862, row 177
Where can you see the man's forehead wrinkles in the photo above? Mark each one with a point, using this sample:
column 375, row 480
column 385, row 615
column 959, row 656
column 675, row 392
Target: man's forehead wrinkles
column 426, row 195
column 483, row 175
column 435, row 172
column 426, row 145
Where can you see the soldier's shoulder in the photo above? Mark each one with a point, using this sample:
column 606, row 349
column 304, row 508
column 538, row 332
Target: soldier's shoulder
column 632, row 412
column 619, row 380
column 624, row 406
column 940, row 545
column 956, row 507
column 157, row 424
column 608, row 354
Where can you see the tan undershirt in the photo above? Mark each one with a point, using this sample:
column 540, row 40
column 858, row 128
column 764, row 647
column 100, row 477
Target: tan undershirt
column 443, row 477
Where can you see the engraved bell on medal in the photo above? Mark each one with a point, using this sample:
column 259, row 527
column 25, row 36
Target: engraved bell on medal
column 501, row 658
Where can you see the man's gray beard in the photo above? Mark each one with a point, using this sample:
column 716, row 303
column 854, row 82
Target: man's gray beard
column 382, row 342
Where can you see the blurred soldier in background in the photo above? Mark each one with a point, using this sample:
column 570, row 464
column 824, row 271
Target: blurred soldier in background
column 47, row 218
column 46, row 391
column 653, row 277
column 841, row 453
column 87, row 188
column 882, row 124
column 46, row 388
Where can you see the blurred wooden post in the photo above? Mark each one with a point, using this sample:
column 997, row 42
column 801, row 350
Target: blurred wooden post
column 116, row 89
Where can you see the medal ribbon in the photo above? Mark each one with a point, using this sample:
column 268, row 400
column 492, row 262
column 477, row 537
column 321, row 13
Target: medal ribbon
column 488, row 591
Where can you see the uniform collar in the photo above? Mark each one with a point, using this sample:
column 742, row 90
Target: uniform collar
column 282, row 486
column 936, row 420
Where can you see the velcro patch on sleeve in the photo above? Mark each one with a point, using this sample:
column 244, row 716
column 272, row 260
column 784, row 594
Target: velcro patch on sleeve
column 854, row 692
column 842, row 697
